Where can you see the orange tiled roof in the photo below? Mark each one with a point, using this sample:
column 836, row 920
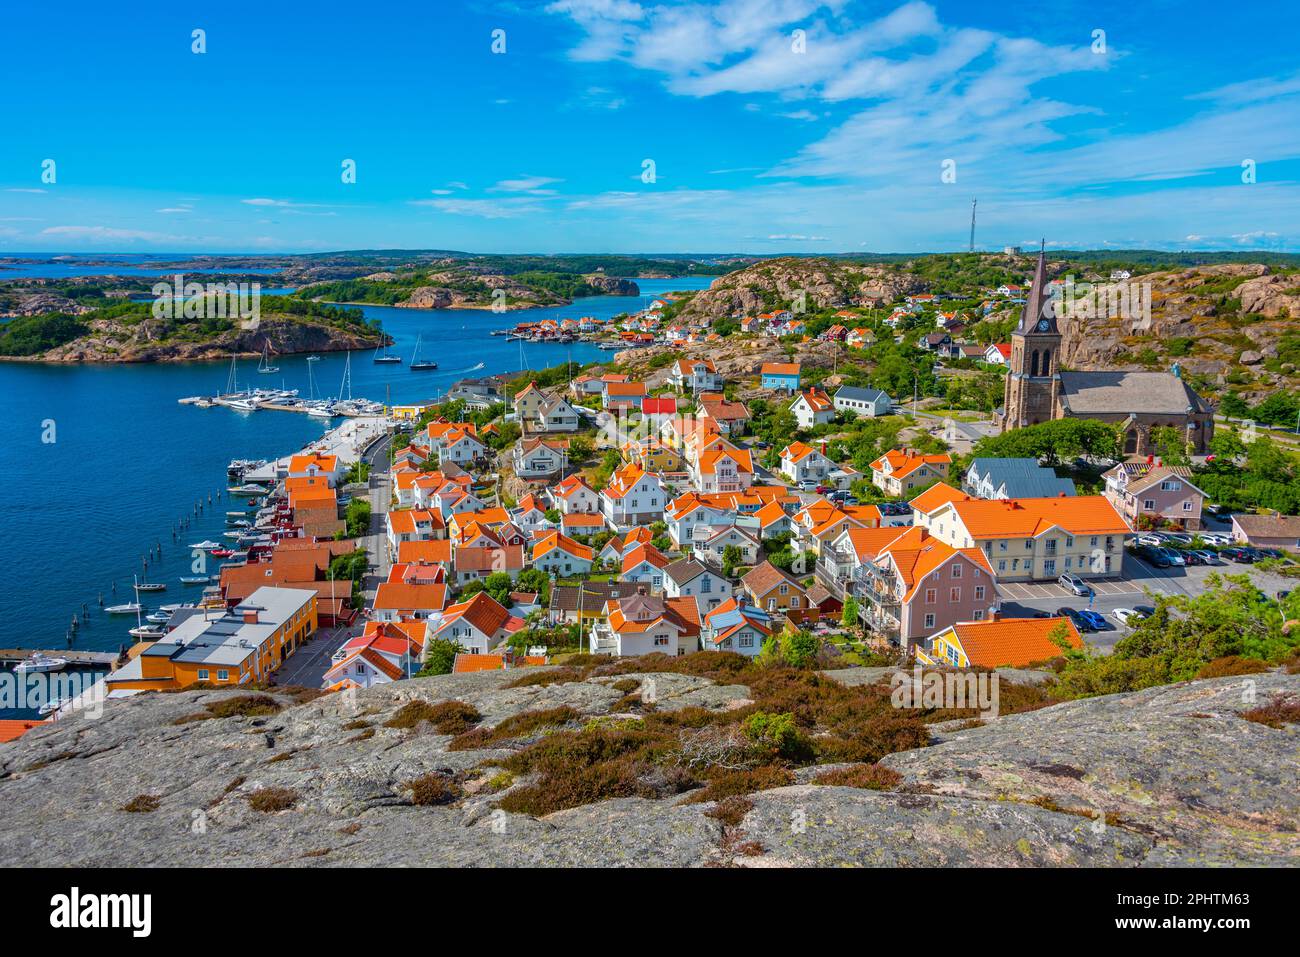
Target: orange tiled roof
column 780, row 368
column 817, row 400
column 936, row 495
column 399, row 596
column 1030, row 517
column 435, row 551
column 13, row 729
column 1013, row 642
column 916, row 553
column 797, row 451
column 903, row 464
column 553, row 540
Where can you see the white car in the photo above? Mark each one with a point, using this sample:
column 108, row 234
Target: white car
column 1126, row 615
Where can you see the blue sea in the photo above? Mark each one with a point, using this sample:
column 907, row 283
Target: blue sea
column 100, row 462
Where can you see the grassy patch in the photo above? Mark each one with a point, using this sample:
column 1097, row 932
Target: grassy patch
column 433, row 789
column 1281, row 709
column 1232, row 665
column 874, row 777
column 142, row 804
column 238, row 706
column 516, row 726
column 447, row 717
column 270, row 800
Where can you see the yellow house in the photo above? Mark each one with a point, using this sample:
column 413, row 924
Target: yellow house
column 245, row 644
column 408, row 413
column 653, row 456
column 997, row 643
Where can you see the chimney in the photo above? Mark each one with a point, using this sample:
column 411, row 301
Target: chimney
column 250, row 616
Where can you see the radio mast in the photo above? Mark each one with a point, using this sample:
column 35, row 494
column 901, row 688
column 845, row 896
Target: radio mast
column 972, row 225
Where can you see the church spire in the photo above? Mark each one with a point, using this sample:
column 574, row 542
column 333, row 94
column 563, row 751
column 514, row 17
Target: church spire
column 1039, row 305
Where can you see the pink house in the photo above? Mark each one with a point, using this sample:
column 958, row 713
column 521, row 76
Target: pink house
column 1148, row 493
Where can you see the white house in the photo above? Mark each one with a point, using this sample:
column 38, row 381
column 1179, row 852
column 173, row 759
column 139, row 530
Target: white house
column 736, row 626
column 556, row 415
column 557, row 554
column 813, row 408
column 723, row 468
column 860, row 402
column 688, row 578
column 574, row 495
column 689, row 510
column 802, row 463
column 539, row 457
column 696, row 375
column 633, row 497
column 710, row 542
column 642, row 624
column 644, row 564
column 477, row 625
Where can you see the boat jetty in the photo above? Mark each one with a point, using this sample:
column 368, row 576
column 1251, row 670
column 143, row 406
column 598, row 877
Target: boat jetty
column 288, row 400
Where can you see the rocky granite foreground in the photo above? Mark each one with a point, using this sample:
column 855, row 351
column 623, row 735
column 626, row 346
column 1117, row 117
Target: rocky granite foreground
column 1167, row 776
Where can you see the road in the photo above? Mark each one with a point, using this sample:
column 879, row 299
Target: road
column 307, row 665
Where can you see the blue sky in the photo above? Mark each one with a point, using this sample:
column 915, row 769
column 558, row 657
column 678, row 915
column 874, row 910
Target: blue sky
column 760, row 143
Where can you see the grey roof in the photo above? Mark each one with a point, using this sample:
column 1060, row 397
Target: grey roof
column 687, row 569
column 1021, row 478
column 862, row 395
column 1124, row 393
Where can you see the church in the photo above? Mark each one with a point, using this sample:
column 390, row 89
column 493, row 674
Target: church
column 1038, row 390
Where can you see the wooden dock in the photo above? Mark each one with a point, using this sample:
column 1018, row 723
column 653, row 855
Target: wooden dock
column 104, row 659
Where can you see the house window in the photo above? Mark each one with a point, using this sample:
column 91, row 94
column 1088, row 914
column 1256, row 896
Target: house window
column 706, row 585
column 223, row 675
column 771, row 604
column 956, row 571
column 1002, row 565
column 929, row 621
column 203, row 674
column 1187, row 506
column 977, row 614
column 1049, row 567
column 954, row 593
column 1148, row 504
column 979, row 592
column 931, row 596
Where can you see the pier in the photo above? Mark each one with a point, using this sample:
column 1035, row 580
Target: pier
column 103, row 659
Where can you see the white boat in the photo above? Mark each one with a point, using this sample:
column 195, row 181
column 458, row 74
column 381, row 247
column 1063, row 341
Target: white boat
column 131, row 608
column 194, row 579
column 266, row 366
column 313, row 358
column 158, row 618
column 249, row 489
column 243, row 405
column 206, row 545
column 39, row 662
column 171, row 608
column 147, row 631
column 322, row 411
column 52, row 706
column 233, row 535
column 150, row 586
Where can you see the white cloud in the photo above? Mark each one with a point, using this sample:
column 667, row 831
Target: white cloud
column 17, row 189
column 533, row 185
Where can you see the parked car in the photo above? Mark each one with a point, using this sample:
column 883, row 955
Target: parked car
column 808, row 485
column 1178, row 537
column 1150, row 539
column 1126, row 615
column 1074, row 615
column 1207, row 557
column 1215, row 538
column 1243, row 556
column 1175, row 557
column 1153, row 556
column 1269, row 553
column 1074, row 585
column 1096, row 621
column 1193, row 557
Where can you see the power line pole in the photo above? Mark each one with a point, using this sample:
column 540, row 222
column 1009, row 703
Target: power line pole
column 972, row 224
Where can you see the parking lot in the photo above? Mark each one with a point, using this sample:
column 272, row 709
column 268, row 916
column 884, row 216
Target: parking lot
column 1137, row 585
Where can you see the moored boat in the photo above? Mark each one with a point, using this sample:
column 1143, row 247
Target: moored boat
column 130, row 608
column 150, row 586
column 40, row 663
column 194, row 579
column 147, row 631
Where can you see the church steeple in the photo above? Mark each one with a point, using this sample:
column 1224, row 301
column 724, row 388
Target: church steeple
column 1040, row 314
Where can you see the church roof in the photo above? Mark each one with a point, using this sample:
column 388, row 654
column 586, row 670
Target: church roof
column 1038, row 303
column 1148, row 393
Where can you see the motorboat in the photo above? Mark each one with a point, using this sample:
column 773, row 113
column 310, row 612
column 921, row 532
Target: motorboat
column 50, row 707
column 169, row 609
column 40, row 663
column 313, row 358
column 150, row 586
column 250, row 489
column 194, row 579
column 147, row 631
column 243, row 405
column 206, row 545
column 222, row 552
column 131, row 608
column 158, row 618
column 232, row 534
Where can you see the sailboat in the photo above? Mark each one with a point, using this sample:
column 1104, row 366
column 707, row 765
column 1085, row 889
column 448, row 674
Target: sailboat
column 386, row 356
column 266, row 366
column 418, row 366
